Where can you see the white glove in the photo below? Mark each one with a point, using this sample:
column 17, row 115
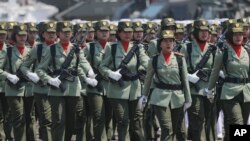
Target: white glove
column 210, row 95
column 13, row 78
column 142, row 102
column 91, row 82
column 221, row 74
column 91, row 74
column 193, row 77
column 187, row 105
column 55, row 82
column 33, row 77
column 115, row 75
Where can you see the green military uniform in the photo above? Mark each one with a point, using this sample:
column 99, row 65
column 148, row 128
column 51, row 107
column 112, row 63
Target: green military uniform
column 235, row 93
column 15, row 95
column 41, row 90
column 198, row 113
column 167, row 102
column 63, row 103
column 124, row 99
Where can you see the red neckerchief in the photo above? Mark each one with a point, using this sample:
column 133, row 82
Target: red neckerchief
column 65, row 46
column 11, row 42
column 167, row 57
column 125, row 46
column 32, row 42
column 20, row 49
column 1, row 45
column 102, row 43
column 202, row 45
column 237, row 49
column 49, row 43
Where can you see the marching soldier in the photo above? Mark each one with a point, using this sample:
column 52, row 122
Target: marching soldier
column 213, row 38
column 15, row 87
column 112, row 32
column 246, row 31
column 59, row 69
column 170, row 91
column 234, row 61
column 198, row 113
column 179, row 32
column 91, row 32
column 124, row 87
column 9, row 32
column 40, row 91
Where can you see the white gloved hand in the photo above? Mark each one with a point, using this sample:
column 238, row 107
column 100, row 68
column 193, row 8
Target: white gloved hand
column 115, row 75
column 33, row 77
column 91, row 74
column 91, row 82
column 187, row 105
column 193, row 78
column 13, row 78
column 221, row 74
column 55, row 82
column 142, row 102
column 210, row 95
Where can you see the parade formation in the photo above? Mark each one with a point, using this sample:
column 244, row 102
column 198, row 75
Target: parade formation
column 129, row 80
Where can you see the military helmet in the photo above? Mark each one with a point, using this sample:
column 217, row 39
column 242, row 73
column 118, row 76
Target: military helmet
column 3, row 28
column 31, row 27
column 10, row 25
column 150, row 27
column 244, row 21
column 20, row 29
column 64, row 26
column 113, row 29
column 201, row 24
column 213, row 30
column 167, row 34
column 90, row 26
column 102, row 25
column 137, row 26
column 235, row 27
column 80, row 27
column 126, row 26
column 166, row 22
column 179, row 28
column 49, row 27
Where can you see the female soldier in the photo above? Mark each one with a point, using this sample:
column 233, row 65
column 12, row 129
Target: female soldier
column 48, row 36
column 234, row 60
column 168, row 71
column 194, row 52
column 64, row 87
column 15, row 86
column 124, row 89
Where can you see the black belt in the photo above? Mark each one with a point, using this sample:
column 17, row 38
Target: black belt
column 58, row 72
column 236, row 80
column 130, row 77
column 168, row 86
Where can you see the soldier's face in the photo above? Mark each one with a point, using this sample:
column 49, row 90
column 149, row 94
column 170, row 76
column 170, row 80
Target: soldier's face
column 91, row 36
column 102, row 34
column 213, row 38
column 32, row 35
column 9, row 33
column 49, row 36
column 112, row 38
column 21, row 39
column 179, row 36
column 203, row 35
column 246, row 31
column 2, row 37
column 126, row 36
column 237, row 38
column 138, row 36
column 65, row 36
column 150, row 36
column 167, row 44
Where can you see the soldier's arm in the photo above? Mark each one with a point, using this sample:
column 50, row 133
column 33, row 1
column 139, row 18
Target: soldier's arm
column 185, row 83
column 86, row 52
column 84, row 64
column 3, row 73
column 148, row 79
column 104, row 67
column 44, row 65
column 143, row 59
column 29, row 60
column 218, row 60
column 152, row 48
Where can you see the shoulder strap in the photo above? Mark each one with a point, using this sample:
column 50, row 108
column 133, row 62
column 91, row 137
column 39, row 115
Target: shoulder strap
column 53, row 55
column 39, row 52
column 92, row 53
column 77, row 53
column 158, row 45
column 9, row 54
column 180, row 64
column 137, row 52
column 113, row 52
column 225, row 58
column 154, row 64
column 189, row 51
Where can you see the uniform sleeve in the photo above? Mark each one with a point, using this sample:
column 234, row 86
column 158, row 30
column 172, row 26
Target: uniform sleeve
column 104, row 68
column 44, row 65
column 143, row 59
column 152, row 48
column 184, row 52
column 148, row 79
column 3, row 74
column 185, row 83
column 84, row 64
column 29, row 60
column 86, row 52
column 218, row 60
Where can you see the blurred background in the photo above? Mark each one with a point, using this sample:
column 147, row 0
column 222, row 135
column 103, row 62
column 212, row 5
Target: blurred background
column 41, row 10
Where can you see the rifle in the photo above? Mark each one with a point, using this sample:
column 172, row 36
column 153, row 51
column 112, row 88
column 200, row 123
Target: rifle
column 22, row 78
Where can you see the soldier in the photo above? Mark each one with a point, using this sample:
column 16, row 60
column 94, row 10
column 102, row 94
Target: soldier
column 124, row 89
column 15, row 86
column 198, row 113
column 113, row 30
column 91, row 32
column 150, row 31
column 59, row 68
column 40, row 90
column 180, row 32
column 246, row 31
column 234, row 60
column 170, row 91
column 9, row 32
column 213, row 38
